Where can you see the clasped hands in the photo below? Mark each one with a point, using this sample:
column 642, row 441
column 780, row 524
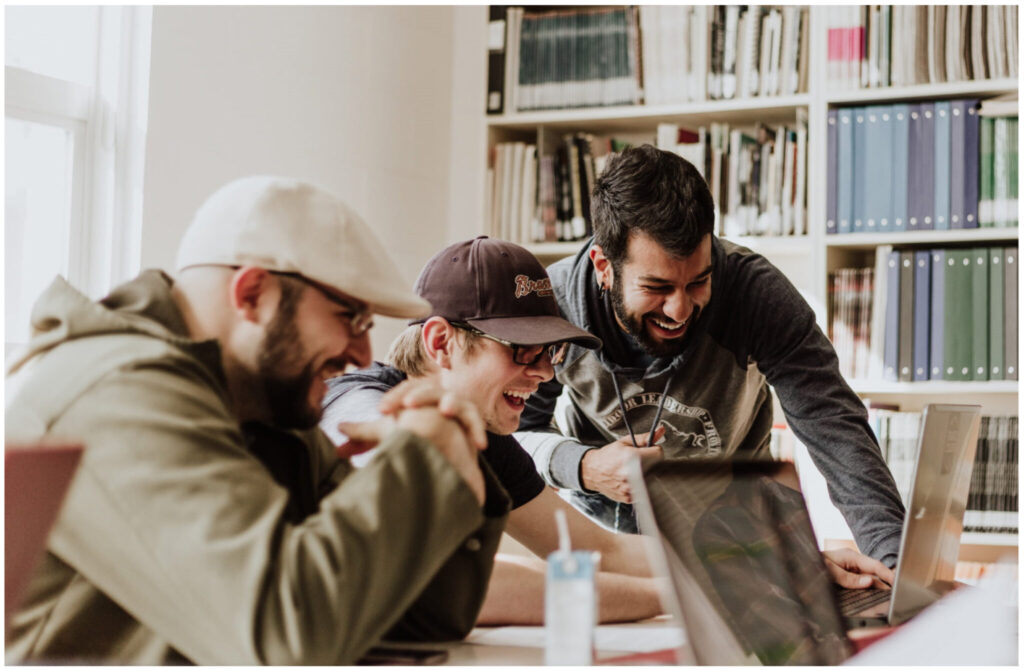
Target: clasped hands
column 452, row 425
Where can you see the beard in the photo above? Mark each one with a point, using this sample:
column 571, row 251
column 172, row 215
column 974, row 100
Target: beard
column 287, row 396
column 634, row 325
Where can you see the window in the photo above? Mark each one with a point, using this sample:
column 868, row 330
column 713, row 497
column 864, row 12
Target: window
column 77, row 86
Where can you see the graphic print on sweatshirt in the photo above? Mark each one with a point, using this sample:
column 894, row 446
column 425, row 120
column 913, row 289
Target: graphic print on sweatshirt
column 689, row 431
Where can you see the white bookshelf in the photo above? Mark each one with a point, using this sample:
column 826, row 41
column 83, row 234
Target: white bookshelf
column 806, row 259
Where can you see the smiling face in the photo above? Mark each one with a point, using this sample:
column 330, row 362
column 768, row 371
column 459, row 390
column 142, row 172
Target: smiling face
column 308, row 341
column 656, row 296
column 495, row 383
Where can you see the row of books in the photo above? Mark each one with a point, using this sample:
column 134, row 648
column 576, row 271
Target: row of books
column 919, row 166
column 927, row 314
column 757, row 177
column 546, row 197
column 700, row 52
column 992, row 499
column 565, row 58
column 659, row 54
column 873, row 46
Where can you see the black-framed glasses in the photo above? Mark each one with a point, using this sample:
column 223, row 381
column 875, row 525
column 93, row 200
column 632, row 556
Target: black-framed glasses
column 360, row 319
column 525, row 354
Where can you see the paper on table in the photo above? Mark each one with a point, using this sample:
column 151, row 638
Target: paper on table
column 625, row 638
column 971, row 626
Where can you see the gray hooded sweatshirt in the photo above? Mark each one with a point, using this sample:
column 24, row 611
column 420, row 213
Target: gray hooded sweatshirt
column 755, row 331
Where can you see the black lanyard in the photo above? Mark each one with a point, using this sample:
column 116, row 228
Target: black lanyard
column 657, row 416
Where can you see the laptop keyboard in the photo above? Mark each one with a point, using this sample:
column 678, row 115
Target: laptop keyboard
column 852, row 601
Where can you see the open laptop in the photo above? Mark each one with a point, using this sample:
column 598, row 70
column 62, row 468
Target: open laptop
column 36, row 479
column 934, row 521
column 749, row 584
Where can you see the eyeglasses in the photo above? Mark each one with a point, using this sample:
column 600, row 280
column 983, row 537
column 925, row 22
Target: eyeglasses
column 360, row 319
column 525, row 354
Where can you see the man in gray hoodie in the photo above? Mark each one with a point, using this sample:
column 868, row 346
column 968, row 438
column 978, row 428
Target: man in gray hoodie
column 695, row 329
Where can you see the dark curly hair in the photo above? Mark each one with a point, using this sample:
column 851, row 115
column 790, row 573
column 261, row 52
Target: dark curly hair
column 655, row 192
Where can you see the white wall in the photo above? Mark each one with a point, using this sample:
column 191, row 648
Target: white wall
column 356, row 99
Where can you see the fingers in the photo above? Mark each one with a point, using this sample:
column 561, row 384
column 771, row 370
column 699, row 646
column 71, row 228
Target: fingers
column 851, row 567
column 847, row 579
column 364, row 432
column 410, row 393
column 468, row 417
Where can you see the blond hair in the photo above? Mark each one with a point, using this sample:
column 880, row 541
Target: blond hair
column 408, row 355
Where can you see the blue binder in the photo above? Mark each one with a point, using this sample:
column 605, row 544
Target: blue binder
column 972, row 150
column 900, row 147
column 942, row 154
column 844, row 182
column 921, row 164
column 833, row 166
column 891, row 351
column 860, row 167
column 877, row 169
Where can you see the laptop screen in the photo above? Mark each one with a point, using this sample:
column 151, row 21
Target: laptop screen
column 743, row 559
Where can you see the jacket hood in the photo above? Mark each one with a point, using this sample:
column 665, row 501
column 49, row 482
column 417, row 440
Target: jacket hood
column 584, row 305
column 376, row 376
column 142, row 305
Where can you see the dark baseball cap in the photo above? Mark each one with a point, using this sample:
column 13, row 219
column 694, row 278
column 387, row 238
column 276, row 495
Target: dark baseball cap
column 500, row 289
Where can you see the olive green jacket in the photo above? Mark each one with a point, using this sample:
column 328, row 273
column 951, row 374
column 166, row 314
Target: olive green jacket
column 174, row 543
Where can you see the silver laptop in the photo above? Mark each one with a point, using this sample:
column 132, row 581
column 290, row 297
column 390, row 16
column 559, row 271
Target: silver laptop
column 934, row 521
column 748, row 582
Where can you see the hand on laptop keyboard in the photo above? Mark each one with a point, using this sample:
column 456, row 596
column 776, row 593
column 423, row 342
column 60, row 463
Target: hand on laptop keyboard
column 854, row 570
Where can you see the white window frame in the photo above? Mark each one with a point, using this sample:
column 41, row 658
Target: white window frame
column 108, row 122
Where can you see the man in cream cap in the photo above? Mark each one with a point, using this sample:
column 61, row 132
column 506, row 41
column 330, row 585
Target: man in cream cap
column 210, row 520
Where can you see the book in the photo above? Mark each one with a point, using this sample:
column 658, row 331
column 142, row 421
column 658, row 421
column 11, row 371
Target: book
column 831, row 191
column 900, row 166
column 876, row 345
column 877, row 170
column 986, row 185
column 844, row 185
column 921, row 164
column 937, row 314
column 906, row 337
column 922, row 309
column 1010, row 312
column 861, row 168
column 996, row 304
column 958, row 315
column 971, row 155
column 956, row 325
column 496, row 59
column 941, row 185
column 892, row 317
column 1000, row 177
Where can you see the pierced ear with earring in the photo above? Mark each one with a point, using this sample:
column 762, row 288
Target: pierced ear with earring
column 601, row 290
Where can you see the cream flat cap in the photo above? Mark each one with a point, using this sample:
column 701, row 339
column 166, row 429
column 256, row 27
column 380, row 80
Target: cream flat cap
column 285, row 225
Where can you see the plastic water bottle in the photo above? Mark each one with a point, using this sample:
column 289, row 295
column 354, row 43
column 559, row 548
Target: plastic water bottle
column 570, row 602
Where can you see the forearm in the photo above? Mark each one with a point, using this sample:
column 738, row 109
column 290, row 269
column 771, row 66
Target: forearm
column 515, row 595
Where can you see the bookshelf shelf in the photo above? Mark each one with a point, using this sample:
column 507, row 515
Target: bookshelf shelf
column 989, row 539
column 938, row 388
column 600, row 119
column 982, row 88
column 807, row 260
column 923, row 237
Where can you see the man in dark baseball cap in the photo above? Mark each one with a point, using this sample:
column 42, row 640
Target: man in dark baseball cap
column 492, row 337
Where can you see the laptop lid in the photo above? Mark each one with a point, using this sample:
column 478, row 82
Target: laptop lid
column 36, row 479
column 748, row 581
column 930, row 543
